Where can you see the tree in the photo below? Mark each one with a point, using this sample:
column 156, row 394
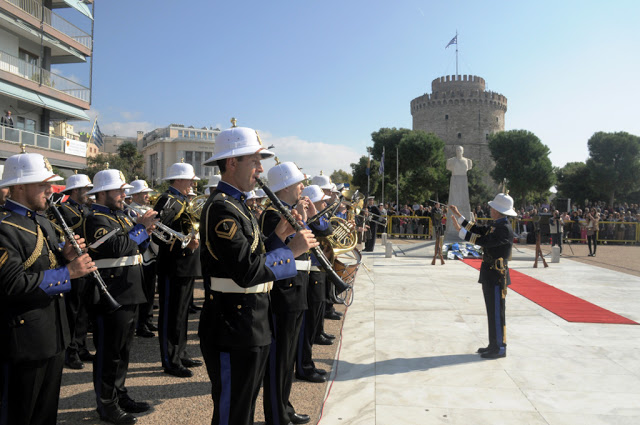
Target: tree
column 614, row 163
column 479, row 193
column 574, row 181
column 128, row 160
column 341, row 176
column 359, row 180
column 523, row 160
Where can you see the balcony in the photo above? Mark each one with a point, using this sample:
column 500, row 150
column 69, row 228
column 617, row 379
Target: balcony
column 29, row 138
column 36, row 9
column 41, row 76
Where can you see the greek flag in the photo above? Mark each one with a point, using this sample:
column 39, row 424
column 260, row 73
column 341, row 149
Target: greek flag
column 97, row 135
column 381, row 169
column 454, row 40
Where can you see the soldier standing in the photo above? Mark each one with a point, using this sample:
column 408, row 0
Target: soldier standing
column 239, row 266
column 34, row 273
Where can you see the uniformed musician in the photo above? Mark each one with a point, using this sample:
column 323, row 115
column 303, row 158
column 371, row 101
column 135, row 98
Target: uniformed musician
column 496, row 241
column 34, row 273
column 74, row 211
column 119, row 260
column 239, row 266
column 177, row 269
column 316, row 296
column 374, row 215
column 140, row 201
column 288, row 300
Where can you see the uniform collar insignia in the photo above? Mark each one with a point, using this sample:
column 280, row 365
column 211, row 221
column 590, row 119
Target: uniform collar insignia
column 230, row 190
column 18, row 208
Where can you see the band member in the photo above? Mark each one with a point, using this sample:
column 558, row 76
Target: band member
column 239, row 266
column 496, row 241
column 177, row 269
column 316, row 297
column 140, row 201
column 374, row 215
column 324, row 182
column 288, row 301
column 34, row 273
column 74, row 211
column 119, row 261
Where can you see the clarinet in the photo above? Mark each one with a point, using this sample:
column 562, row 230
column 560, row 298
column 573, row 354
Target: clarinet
column 340, row 285
column 105, row 297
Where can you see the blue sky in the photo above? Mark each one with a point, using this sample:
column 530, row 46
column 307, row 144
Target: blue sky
column 316, row 78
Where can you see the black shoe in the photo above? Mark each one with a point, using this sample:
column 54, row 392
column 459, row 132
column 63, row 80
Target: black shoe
column 297, row 418
column 180, row 372
column 494, row 354
column 314, row 377
column 145, row 333
column 74, row 363
column 116, row 415
column 483, row 350
column 191, row 362
column 320, row 371
column 86, row 356
column 320, row 340
column 151, row 327
column 333, row 315
column 328, row 336
column 130, row 406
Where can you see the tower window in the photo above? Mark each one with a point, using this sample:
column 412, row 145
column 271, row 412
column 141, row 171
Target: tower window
column 486, row 136
column 496, row 119
column 459, row 135
column 446, row 117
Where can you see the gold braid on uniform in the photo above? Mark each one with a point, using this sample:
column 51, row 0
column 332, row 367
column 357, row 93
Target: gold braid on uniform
column 37, row 252
column 256, row 229
column 469, row 226
column 208, row 243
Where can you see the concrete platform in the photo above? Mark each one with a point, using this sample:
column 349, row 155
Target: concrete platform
column 408, row 345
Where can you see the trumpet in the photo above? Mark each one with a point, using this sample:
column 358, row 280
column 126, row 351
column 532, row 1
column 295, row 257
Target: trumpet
column 165, row 233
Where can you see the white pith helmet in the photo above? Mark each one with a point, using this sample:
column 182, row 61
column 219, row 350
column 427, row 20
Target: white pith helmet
column 284, row 175
column 108, row 180
column 260, row 193
column 25, row 168
column 323, row 181
column 181, row 171
column 503, row 203
column 315, row 193
column 214, row 180
column 139, row 186
column 237, row 141
column 77, row 181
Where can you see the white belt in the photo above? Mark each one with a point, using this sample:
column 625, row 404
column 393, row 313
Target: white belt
column 316, row 269
column 107, row 263
column 221, row 284
column 303, row 265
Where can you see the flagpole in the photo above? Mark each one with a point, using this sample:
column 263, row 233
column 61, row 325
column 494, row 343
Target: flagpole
column 369, row 175
column 397, row 179
column 456, row 54
column 382, row 200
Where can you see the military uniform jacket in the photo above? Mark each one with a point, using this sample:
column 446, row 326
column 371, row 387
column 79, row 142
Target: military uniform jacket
column 73, row 214
column 33, row 321
column 321, row 228
column 172, row 260
column 234, row 248
column 124, row 283
column 496, row 241
column 287, row 294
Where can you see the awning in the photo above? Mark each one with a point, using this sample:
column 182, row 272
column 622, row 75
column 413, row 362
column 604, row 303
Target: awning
column 79, row 6
column 42, row 101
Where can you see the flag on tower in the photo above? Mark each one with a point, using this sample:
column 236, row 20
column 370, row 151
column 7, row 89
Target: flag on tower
column 454, row 40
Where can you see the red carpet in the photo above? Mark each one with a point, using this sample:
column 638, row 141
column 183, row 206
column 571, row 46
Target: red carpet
column 567, row 306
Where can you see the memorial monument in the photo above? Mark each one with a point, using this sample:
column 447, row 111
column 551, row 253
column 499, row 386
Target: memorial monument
column 458, row 191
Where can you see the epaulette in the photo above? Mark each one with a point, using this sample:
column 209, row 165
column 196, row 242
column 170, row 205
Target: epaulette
column 4, row 214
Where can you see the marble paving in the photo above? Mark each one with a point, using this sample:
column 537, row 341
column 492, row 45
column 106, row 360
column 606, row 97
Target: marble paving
column 408, row 344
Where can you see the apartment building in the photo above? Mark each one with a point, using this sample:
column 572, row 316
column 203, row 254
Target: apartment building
column 174, row 143
column 37, row 39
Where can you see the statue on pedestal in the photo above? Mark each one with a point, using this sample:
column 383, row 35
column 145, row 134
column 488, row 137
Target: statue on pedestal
column 458, row 190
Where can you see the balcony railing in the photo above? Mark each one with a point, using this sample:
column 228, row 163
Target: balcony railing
column 41, row 140
column 35, row 9
column 33, row 72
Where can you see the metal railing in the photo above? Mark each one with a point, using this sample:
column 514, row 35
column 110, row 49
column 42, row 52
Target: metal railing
column 41, row 140
column 35, row 9
column 42, row 76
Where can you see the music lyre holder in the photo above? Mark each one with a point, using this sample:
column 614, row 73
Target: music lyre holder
column 539, row 252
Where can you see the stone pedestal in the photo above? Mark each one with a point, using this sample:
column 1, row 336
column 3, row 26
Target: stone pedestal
column 458, row 196
column 388, row 250
column 555, row 254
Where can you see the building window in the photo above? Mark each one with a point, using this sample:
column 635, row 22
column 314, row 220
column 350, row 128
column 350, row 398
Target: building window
column 179, row 133
column 459, row 135
column 486, row 136
column 26, row 124
column 446, row 117
column 496, row 119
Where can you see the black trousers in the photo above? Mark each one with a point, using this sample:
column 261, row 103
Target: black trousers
column 279, row 376
column 145, row 315
column 112, row 336
column 29, row 391
column 595, row 242
column 494, row 302
column 312, row 323
column 175, row 295
column 236, row 376
column 78, row 316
